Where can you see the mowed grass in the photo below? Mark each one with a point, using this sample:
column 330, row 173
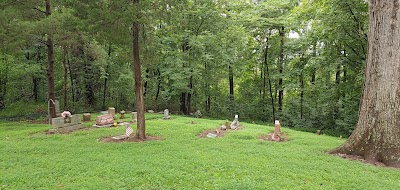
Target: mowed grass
column 30, row 159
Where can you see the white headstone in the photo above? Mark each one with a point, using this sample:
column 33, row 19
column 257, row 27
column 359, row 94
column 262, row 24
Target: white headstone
column 134, row 116
column 166, row 114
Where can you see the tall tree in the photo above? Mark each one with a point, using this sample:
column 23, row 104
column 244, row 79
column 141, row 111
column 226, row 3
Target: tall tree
column 50, row 68
column 140, row 132
column 377, row 134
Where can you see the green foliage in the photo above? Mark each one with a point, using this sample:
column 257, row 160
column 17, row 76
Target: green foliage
column 180, row 160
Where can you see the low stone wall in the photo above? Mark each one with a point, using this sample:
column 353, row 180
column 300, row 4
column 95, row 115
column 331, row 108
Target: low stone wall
column 61, row 124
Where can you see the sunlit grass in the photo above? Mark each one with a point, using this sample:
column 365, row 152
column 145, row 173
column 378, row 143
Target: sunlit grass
column 30, row 159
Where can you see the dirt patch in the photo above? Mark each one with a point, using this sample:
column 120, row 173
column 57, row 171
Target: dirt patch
column 130, row 139
column 361, row 159
column 268, row 137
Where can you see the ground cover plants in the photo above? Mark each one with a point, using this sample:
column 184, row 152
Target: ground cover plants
column 32, row 159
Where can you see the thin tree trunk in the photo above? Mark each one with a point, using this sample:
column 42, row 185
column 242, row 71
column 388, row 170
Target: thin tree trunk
column 158, row 84
column 207, row 89
column 65, row 86
column 50, row 69
column 183, row 103
column 376, row 137
column 266, row 75
column 301, row 94
column 106, row 78
column 280, row 67
column 140, row 132
column 231, row 89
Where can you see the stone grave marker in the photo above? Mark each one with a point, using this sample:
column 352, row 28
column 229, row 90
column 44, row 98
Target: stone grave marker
column 59, row 124
column 104, row 121
column 134, row 116
column 111, row 111
column 166, row 114
column 277, row 131
column 57, row 107
column 122, row 114
column 87, row 117
column 235, row 123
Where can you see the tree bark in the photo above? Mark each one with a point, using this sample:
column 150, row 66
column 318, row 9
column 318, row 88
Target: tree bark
column 231, row 88
column 106, row 78
column 65, row 86
column 280, row 67
column 266, row 75
column 140, row 132
column 50, row 69
column 377, row 133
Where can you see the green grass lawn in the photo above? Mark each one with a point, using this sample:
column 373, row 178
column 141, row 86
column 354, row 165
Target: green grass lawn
column 30, row 159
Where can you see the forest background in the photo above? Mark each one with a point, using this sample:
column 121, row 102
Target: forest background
column 301, row 62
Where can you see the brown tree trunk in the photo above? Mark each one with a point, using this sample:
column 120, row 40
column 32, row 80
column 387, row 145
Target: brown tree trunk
column 140, row 132
column 280, row 67
column 50, row 69
column 266, row 75
column 231, row 88
column 65, row 87
column 377, row 134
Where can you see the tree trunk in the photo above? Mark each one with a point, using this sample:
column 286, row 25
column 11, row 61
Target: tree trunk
column 266, row 75
column 280, row 67
column 106, row 78
column 50, row 69
column 65, row 86
column 158, row 84
column 189, row 94
column 140, row 132
column 377, row 134
column 231, row 88
column 207, row 89
column 183, row 103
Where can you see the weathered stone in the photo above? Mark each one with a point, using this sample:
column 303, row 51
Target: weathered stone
column 120, row 137
column 223, row 127
column 198, row 114
column 57, row 122
column 57, row 106
column 122, row 114
column 166, row 114
column 277, row 131
column 111, row 111
column 211, row 135
column 235, row 124
column 134, row 116
column 150, row 111
column 104, row 119
column 87, row 117
column 104, row 112
column 75, row 119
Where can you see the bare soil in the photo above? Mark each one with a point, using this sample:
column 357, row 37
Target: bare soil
column 361, row 159
column 268, row 137
column 130, row 139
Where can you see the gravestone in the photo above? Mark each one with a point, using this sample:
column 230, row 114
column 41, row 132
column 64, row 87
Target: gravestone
column 166, row 114
column 235, row 124
column 277, row 131
column 104, row 121
column 197, row 114
column 134, row 116
column 150, row 111
column 57, row 107
column 87, row 117
column 111, row 111
column 122, row 114
column 59, row 124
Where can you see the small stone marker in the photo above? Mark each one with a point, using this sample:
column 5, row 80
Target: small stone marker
column 104, row 120
column 119, row 137
column 150, row 111
column 277, row 131
column 57, row 106
column 87, row 117
column 134, row 116
column 166, row 114
column 211, row 135
column 104, row 112
column 111, row 111
column 122, row 114
column 235, row 123
column 198, row 114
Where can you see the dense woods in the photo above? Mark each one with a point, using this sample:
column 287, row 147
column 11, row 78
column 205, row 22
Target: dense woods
column 301, row 62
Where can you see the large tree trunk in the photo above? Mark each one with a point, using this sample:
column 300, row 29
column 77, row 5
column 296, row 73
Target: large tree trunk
column 50, row 69
column 140, row 132
column 377, row 134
